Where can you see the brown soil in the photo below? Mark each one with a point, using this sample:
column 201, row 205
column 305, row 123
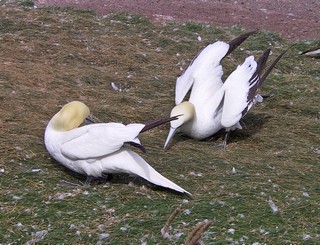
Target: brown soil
column 294, row 19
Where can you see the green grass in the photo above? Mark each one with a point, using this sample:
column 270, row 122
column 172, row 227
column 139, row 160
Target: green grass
column 51, row 56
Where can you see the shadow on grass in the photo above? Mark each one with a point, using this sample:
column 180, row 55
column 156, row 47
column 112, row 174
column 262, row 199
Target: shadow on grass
column 251, row 125
column 121, row 178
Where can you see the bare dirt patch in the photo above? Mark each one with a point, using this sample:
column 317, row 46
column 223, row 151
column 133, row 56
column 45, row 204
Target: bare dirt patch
column 294, row 19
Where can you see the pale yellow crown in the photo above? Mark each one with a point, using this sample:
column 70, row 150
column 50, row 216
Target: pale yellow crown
column 185, row 112
column 71, row 116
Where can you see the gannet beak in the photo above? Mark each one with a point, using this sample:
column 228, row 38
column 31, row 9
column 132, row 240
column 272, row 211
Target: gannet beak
column 170, row 136
column 89, row 120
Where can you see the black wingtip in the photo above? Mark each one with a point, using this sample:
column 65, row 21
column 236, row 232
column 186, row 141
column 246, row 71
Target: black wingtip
column 261, row 63
column 256, row 77
column 237, row 41
column 137, row 145
column 265, row 75
column 157, row 123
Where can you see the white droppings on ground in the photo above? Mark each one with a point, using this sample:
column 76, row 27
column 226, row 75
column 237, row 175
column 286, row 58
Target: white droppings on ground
column 72, row 227
column 19, row 225
column 184, row 201
column 18, row 148
column 120, row 87
column 306, row 237
column 103, row 236
column 273, row 205
column 123, row 229
column 16, row 198
column 241, row 216
column 178, row 235
column 187, row 211
column 37, row 237
column 35, row 170
column 196, row 174
column 305, row 194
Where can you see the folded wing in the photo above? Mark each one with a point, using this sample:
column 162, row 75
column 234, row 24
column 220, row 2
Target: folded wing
column 99, row 140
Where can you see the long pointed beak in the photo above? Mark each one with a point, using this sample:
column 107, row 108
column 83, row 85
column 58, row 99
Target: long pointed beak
column 170, row 136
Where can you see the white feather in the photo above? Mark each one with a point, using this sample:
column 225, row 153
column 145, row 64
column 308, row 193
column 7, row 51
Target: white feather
column 236, row 89
column 204, row 70
column 98, row 140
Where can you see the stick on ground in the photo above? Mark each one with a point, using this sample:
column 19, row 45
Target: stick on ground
column 197, row 232
column 165, row 229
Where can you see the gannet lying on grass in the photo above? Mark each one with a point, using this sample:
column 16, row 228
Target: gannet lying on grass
column 101, row 148
column 214, row 105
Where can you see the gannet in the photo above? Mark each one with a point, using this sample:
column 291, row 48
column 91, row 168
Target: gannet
column 313, row 52
column 214, row 105
column 200, row 116
column 100, row 148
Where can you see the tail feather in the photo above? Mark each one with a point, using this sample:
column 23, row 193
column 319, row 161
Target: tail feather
column 127, row 161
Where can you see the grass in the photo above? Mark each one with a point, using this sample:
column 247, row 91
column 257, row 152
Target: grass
column 50, row 56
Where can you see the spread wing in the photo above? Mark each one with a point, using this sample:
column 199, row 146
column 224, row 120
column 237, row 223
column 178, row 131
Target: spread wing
column 98, row 140
column 241, row 88
column 237, row 88
column 205, row 67
column 202, row 68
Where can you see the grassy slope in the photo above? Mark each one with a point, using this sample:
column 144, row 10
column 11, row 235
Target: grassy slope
column 51, row 56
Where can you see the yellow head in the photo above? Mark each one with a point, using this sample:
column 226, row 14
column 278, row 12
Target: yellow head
column 185, row 112
column 71, row 116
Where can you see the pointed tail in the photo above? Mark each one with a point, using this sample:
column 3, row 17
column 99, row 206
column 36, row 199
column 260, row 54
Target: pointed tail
column 130, row 162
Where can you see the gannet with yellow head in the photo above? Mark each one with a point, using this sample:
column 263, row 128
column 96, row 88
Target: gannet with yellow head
column 214, row 105
column 100, row 148
column 200, row 116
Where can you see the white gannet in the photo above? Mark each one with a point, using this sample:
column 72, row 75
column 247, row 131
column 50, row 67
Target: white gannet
column 200, row 117
column 313, row 52
column 214, row 105
column 101, row 148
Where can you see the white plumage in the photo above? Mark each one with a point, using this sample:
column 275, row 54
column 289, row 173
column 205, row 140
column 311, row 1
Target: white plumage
column 313, row 52
column 214, row 105
column 236, row 89
column 97, row 149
